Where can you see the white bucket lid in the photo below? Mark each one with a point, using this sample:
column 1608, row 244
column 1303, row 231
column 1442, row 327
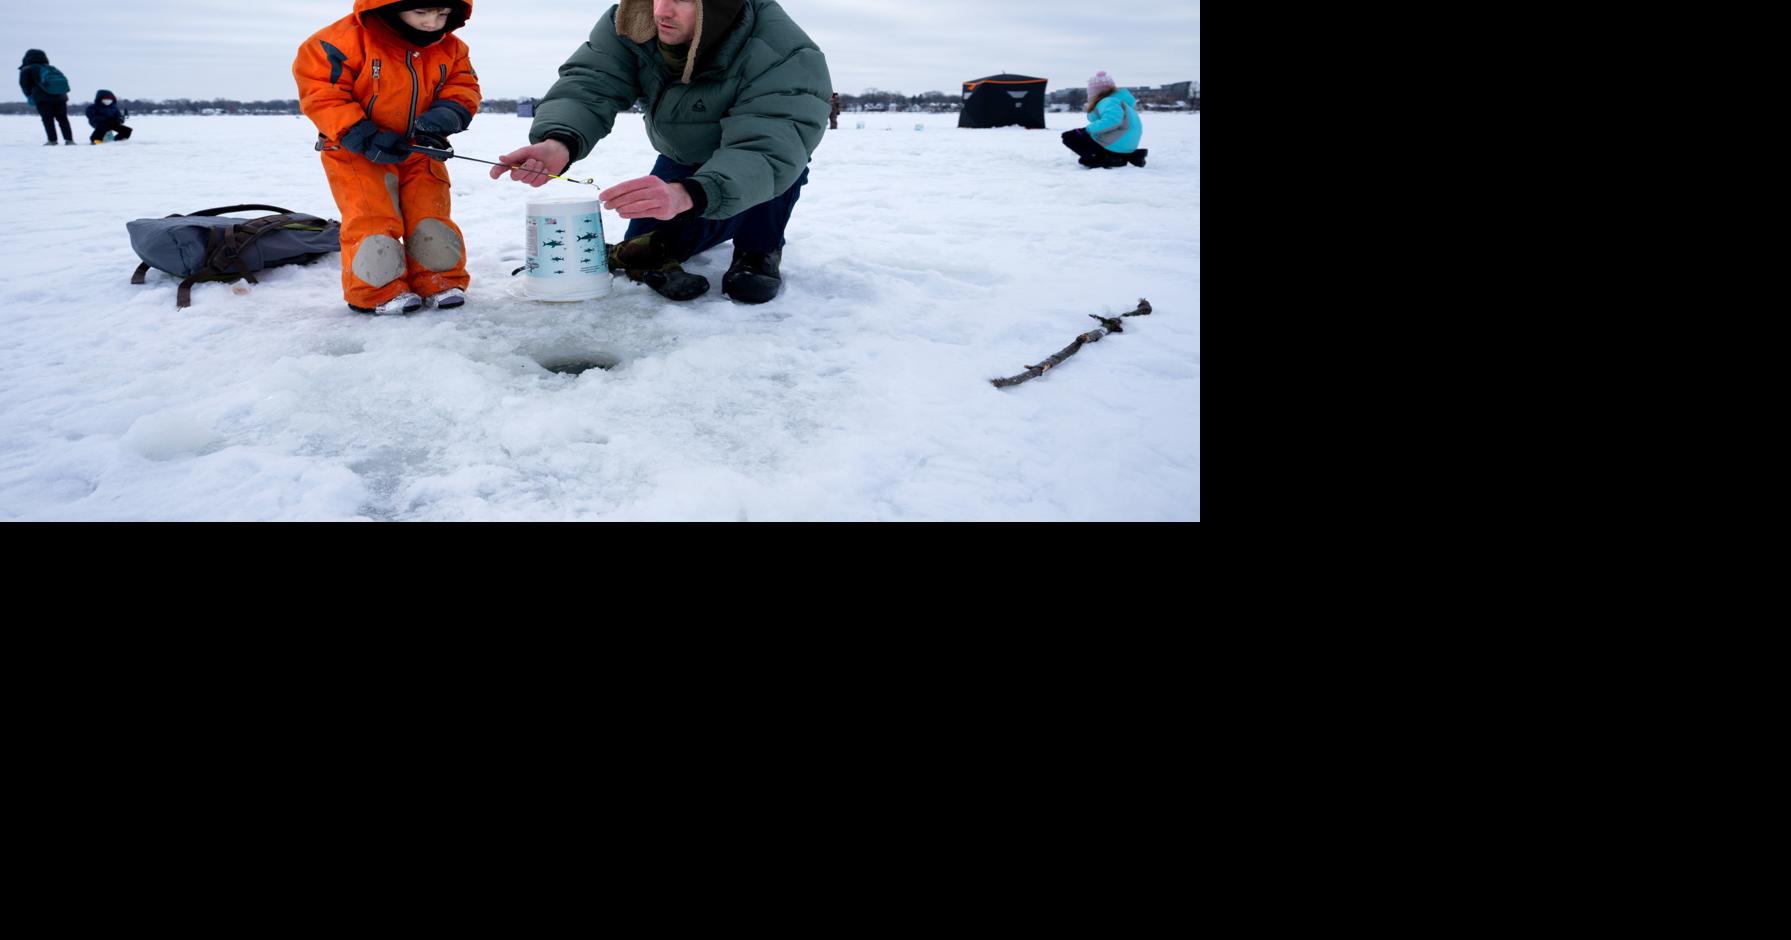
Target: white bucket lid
column 564, row 206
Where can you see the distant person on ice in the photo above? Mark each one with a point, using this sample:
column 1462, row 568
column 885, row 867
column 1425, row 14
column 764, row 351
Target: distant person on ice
column 833, row 113
column 105, row 116
column 46, row 88
column 736, row 100
column 388, row 75
column 1111, row 138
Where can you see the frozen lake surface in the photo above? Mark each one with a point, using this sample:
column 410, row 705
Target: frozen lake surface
column 920, row 265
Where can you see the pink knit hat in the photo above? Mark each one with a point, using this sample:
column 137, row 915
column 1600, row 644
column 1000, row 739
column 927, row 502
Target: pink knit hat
column 1099, row 83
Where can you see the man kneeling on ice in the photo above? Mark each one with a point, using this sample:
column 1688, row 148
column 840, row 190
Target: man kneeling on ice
column 736, row 98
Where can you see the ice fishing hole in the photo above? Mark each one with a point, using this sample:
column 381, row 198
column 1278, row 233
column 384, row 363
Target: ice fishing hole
column 579, row 363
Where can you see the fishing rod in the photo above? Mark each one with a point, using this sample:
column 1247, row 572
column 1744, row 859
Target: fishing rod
column 443, row 153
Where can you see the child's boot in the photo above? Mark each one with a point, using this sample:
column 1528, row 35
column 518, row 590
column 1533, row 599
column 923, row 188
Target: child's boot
column 447, row 300
column 406, row 302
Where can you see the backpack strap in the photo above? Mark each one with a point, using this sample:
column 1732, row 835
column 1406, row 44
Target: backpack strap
column 226, row 210
column 183, row 297
column 230, row 253
column 225, row 257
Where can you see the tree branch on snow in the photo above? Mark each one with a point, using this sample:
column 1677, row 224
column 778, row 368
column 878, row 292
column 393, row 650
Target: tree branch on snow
column 1108, row 325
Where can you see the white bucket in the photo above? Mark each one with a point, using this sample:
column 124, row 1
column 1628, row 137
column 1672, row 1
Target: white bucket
column 566, row 259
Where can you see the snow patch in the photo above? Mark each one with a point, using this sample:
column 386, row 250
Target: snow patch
column 169, row 434
column 918, row 267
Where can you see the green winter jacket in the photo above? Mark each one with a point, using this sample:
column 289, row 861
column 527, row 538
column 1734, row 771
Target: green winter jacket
column 752, row 114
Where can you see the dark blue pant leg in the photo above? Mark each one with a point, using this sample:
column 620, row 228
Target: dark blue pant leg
column 759, row 229
column 55, row 114
column 666, row 170
column 124, row 133
column 1082, row 143
column 762, row 227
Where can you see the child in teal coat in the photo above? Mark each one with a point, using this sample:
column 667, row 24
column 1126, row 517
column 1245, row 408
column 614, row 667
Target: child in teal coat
column 1111, row 138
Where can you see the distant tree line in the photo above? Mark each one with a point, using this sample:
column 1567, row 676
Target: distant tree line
column 876, row 99
column 1182, row 95
column 217, row 106
column 174, row 106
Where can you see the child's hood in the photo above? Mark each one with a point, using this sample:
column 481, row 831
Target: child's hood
column 461, row 11
column 103, row 95
column 35, row 57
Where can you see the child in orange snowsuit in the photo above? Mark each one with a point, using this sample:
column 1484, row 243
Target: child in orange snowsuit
column 386, row 76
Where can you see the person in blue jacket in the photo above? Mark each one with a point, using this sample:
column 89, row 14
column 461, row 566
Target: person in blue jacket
column 105, row 115
column 1111, row 138
column 51, row 106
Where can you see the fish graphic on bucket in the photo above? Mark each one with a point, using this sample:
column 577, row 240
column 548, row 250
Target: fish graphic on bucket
column 566, row 257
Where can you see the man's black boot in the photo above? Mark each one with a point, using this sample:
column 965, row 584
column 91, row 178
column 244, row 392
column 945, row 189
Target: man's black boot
column 673, row 282
column 642, row 261
column 639, row 253
column 1136, row 157
column 753, row 277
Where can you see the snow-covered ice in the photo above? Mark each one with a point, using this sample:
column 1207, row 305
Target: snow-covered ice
column 920, row 265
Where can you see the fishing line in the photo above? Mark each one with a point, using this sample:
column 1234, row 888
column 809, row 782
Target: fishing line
column 433, row 153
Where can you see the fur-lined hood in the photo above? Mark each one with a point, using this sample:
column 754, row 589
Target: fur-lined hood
column 459, row 11
column 634, row 21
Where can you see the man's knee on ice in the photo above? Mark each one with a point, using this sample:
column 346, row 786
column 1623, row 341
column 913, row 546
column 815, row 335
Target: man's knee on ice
column 378, row 261
column 436, row 245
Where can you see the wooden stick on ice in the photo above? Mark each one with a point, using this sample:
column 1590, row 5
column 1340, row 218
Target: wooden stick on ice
column 1108, row 325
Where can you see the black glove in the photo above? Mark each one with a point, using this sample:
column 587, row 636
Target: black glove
column 433, row 142
column 354, row 140
column 387, row 147
column 379, row 146
column 444, row 118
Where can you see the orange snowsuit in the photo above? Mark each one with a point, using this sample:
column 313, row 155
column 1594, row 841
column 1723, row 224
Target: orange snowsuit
column 358, row 68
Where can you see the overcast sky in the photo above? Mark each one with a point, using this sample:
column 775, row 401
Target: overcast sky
column 158, row 49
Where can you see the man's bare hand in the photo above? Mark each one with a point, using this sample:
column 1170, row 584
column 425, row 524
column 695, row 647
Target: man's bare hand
column 534, row 161
column 646, row 198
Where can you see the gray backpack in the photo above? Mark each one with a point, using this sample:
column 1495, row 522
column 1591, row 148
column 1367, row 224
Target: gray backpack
column 209, row 246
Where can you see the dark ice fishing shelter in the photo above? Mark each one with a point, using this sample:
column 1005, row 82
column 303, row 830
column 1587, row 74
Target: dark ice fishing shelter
column 1001, row 100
